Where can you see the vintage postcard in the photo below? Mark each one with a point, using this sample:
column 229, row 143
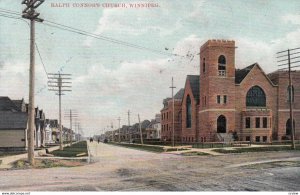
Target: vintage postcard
column 149, row 96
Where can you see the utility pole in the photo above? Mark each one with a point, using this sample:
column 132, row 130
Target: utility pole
column 141, row 133
column 285, row 57
column 30, row 13
column 59, row 85
column 113, row 132
column 129, row 125
column 119, row 119
column 173, row 114
column 71, row 115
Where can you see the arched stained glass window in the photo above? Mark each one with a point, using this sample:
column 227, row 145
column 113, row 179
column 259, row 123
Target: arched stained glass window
column 256, row 97
column 188, row 112
column 290, row 96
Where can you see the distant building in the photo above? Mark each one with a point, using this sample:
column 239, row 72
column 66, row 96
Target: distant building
column 167, row 117
column 154, row 128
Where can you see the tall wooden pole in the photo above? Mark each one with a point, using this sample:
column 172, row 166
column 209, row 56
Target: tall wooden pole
column 31, row 110
column 141, row 133
column 173, row 114
column 291, row 103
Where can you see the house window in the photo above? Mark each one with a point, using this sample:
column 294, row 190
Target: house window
column 247, row 138
column 218, row 99
column 257, row 122
column 222, row 65
column 225, row 99
column 265, row 138
column 265, row 122
column 257, row 139
column 290, row 93
column 203, row 66
column 248, row 122
column 188, row 112
column 256, row 97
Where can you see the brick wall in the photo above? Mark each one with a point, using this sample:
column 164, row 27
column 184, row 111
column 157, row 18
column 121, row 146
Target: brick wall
column 189, row 134
column 256, row 77
column 212, row 84
column 167, row 121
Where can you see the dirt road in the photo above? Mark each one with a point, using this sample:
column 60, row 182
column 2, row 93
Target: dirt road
column 120, row 169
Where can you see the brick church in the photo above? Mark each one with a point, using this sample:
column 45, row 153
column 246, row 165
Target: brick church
column 224, row 102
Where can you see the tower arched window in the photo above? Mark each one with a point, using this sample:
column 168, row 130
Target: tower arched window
column 222, row 65
column 221, row 124
column 188, row 112
column 256, row 97
column 290, row 95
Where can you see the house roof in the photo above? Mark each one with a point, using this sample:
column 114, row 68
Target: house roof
column 6, row 104
column 194, row 82
column 13, row 120
column 152, row 123
column 145, row 124
column 240, row 74
column 18, row 103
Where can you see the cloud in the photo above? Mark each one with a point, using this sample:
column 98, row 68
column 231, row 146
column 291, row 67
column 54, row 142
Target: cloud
column 291, row 18
column 135, row 22
column 13, row 78
column 264, row 52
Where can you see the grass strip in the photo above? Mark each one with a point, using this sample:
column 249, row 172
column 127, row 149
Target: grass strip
column 157, row 149
column 46, row 163
column 72, row 151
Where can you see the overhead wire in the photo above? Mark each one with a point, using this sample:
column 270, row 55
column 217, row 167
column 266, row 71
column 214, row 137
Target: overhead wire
column 100, row 37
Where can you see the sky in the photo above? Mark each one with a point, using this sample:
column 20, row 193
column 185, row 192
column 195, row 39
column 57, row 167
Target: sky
column 108, row 79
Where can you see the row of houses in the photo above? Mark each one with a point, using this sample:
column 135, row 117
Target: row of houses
column 151, row 130
column 14, row 126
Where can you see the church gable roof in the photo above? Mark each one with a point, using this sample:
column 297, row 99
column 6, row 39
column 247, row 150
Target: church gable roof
column 240, row 74
column 179, row 94
column 194, row 83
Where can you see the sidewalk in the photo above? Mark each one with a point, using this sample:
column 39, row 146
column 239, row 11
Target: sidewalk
column 209, row 150
column 7, row 160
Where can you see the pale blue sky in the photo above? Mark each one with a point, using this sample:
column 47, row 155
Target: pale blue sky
column 109, row 79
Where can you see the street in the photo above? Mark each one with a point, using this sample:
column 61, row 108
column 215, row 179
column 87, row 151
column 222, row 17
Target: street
column 115, row 168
